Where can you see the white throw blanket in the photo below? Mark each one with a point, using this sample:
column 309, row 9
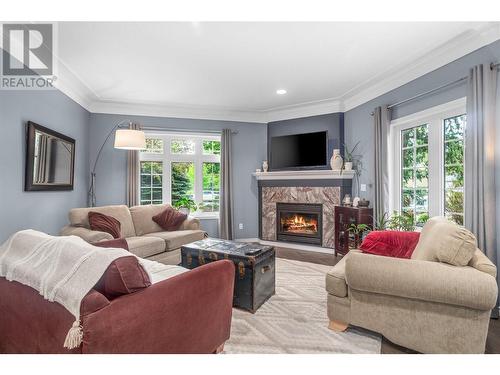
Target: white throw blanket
column 61, row 269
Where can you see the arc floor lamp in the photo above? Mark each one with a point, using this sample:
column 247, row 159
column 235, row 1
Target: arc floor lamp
column 126, row 138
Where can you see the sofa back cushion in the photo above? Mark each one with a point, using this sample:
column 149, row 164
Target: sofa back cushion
column 444, row 241
column 79, row 217
column 142, row 217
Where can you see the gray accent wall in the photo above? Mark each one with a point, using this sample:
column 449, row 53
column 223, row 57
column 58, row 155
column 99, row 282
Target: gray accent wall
column 359, row 122
column 249, row 150
column 332, row 122
column 44, row 211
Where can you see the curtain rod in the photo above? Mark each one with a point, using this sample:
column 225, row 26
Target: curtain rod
column 161, row 129
column 456, row 82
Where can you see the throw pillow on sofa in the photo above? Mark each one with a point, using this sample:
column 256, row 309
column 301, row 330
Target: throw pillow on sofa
column 170, row 219
column 104, row 223
column 123, row 276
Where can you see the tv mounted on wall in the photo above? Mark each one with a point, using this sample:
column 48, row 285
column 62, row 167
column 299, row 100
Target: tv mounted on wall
column 299, row 151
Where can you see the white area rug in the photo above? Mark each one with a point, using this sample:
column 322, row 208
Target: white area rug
column 294, row 320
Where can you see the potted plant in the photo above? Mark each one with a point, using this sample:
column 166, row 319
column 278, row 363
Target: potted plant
column 349, row 157
column 185, row 205
column 358, row 230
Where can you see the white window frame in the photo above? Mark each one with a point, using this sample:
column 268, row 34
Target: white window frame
column 198, row 158
column 434, row 117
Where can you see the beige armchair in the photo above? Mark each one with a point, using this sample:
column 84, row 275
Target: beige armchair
column 421, row 303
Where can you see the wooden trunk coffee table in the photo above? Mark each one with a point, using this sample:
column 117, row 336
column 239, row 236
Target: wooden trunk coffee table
column 254, row 281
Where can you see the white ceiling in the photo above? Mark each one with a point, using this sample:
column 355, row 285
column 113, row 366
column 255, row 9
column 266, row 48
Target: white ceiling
column 232, row 70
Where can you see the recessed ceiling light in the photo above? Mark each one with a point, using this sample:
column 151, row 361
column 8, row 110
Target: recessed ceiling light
column 281, row 92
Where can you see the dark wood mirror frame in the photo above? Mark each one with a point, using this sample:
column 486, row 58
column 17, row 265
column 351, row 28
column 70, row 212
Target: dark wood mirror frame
column 29, row 184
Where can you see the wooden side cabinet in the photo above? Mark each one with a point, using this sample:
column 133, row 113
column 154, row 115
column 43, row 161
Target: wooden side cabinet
column 344, row 217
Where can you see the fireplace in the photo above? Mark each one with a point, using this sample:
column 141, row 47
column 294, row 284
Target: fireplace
column 299, row 222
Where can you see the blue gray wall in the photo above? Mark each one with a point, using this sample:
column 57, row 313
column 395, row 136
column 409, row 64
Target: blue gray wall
column 359, row 122
column 249, row 149
column 45, row 211
column 332, row 122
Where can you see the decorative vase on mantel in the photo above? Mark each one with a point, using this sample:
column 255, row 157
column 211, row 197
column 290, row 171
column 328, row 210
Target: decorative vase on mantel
column 336, row 161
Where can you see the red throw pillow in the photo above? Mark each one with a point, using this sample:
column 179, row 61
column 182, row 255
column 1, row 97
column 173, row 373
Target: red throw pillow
column 170, row 219
column 390, row 243
column 124, row 276
column 104, row 223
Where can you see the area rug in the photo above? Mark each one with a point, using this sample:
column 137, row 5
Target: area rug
column 294, row 320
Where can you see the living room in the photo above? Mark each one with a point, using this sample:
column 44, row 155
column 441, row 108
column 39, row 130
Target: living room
column 249, row 187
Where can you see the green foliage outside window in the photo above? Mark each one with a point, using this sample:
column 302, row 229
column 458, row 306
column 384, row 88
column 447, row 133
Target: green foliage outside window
column 414, row 175
column 211, row 147
column 211, row 185
column 182, row 181
column 151, row 182
column 454, row 128
column 182, row 146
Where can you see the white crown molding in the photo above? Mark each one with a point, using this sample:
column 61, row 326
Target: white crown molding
column 441, row 56
column 191, row 112
column 460, row 46
column 303, row 110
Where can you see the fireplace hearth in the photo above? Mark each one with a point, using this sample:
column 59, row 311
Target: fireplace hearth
column 299, row 222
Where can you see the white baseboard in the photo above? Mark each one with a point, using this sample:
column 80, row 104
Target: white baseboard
column 288, row 245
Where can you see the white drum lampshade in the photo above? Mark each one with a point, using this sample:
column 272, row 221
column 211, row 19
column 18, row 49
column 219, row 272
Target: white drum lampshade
column 127, row 139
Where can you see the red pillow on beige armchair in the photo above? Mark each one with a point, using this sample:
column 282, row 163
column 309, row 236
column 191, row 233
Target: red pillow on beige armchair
column 391, row 243
column 170, row 219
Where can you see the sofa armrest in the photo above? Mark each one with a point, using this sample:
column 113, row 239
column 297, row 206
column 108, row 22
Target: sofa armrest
column 422, row 280
column 188, row 313
column 87, row 234
column 191, row 223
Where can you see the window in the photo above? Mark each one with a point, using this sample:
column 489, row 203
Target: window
column 427, row 157
column 151, row 182
column 415, row 172
column 453, row 130
column 175, row 166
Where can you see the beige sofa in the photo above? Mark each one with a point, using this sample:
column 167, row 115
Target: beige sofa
column 145, row 238
column 439, row 301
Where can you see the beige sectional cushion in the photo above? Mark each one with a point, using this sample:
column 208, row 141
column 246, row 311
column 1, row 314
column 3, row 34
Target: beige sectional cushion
column 145, row 247
column 444, row 241
column 481, row 262
column 335, row 279
column 79, row 217
column 142, row 217
column 176, row 239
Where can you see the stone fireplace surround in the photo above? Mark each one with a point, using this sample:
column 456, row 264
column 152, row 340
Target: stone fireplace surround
column 327, row 192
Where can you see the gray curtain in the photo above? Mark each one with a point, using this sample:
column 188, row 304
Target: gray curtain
column 133, row 173
column 381, row 122
column 480, row 200
column 226, row 190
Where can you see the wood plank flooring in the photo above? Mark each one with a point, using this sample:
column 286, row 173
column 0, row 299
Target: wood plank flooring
column 492, row 342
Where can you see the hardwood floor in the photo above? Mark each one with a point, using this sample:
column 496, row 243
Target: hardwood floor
column 492, row 342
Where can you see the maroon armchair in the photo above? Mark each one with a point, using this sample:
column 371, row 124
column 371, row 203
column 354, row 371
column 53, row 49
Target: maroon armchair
column 188, row 313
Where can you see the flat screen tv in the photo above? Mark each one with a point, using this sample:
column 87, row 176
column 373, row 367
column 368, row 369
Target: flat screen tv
column 299, row 151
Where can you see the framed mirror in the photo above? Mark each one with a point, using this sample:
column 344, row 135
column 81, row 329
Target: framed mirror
column 50, row 159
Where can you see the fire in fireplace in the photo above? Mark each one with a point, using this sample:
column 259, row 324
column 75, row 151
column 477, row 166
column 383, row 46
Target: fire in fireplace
column 299, row 222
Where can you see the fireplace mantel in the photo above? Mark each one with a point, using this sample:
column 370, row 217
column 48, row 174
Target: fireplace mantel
column 305, row 175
